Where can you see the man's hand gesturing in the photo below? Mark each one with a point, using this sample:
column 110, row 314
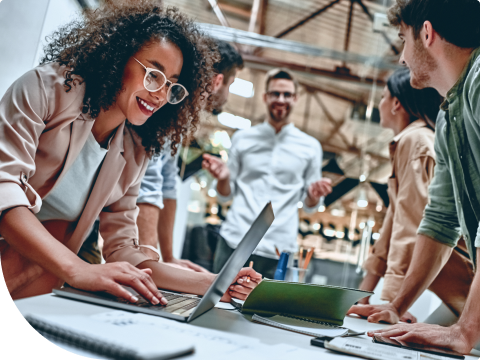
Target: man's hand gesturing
column 216, row 167
column 320, row 188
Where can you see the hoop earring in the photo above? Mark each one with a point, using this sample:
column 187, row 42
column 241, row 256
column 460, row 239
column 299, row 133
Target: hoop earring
column 394, row 112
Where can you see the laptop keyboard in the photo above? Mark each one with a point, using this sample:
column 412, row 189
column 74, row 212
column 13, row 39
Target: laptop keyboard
column 177, row 304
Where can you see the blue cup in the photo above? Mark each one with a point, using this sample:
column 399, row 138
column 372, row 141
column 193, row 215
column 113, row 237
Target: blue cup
column 281, row 267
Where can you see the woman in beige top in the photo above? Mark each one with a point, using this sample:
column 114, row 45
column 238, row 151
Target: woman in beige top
column 139, row 62
column 411, row 113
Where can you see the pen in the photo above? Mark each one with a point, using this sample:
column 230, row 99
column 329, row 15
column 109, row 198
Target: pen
column 277, row 251
column 308, row 257
column 250, row 265
column 300, row 256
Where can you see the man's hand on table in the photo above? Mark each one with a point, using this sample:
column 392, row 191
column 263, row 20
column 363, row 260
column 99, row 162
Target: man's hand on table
column 243, row 284
column 381, row 313
column 426, row 334
column 185, row 265
column 376, row 313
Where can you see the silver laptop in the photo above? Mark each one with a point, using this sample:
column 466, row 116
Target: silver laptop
column 185, row 307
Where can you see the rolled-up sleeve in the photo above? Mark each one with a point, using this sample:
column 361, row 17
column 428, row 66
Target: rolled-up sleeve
column 440, row 219
column 474, row 96
column 169, row 173
column 313, row 173
column 376, row 263
column 151, row 186
column 412, row 197
column 233, row 164
column 23, row 109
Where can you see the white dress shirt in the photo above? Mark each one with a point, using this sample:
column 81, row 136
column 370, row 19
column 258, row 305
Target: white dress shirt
column 265, row 166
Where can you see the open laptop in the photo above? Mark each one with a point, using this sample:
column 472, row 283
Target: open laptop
column 184, row 307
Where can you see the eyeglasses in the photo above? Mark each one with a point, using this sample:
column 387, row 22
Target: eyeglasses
column 274, row 95
column 155, row 80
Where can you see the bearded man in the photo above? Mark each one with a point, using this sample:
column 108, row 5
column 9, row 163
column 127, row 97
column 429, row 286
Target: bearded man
column 442, row 51
column 273, row 161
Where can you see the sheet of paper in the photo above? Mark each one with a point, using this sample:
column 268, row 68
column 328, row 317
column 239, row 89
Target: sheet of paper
column 280, row 352
column 306, row 326
column 207, row 342
column 365, row 348
column 225, row 306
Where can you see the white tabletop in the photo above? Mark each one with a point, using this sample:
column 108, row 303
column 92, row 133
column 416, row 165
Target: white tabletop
column 229, row 321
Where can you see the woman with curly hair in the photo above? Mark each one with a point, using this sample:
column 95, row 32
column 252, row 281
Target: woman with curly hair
column 76, row 134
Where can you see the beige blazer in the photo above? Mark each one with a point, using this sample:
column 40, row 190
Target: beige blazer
column 413, row 160
column 42, row 130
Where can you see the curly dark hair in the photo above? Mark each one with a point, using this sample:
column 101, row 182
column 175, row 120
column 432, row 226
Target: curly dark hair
column 98, row 46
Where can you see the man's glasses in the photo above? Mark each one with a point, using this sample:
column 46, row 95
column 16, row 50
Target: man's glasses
column 155, row 80
column 275, row 95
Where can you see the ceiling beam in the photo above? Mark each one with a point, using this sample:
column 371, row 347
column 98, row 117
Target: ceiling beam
column 254, row 15
column 242, row 13
column 263, row 16
column 336, row 123
column 336, row 94
column 384, row 34
column 216, row 9
column 337, row 75
column 306, row 19
column 268, row 42
column 348, row 30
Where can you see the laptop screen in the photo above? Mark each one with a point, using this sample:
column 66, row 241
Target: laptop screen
column 236, row 261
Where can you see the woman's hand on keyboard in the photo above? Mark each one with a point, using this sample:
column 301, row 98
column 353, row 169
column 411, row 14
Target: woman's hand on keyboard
column 110, row 278
column 246, row 280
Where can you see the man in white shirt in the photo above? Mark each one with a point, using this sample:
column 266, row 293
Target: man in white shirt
column 273, row 161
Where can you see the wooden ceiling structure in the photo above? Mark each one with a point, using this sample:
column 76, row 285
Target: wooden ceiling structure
column 332, row 47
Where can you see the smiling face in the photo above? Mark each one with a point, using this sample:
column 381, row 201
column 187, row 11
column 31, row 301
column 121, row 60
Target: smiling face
column 416, row 58
column 280, row 107
column 134, row 102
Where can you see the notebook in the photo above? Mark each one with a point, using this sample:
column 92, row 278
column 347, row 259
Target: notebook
column 310, row 309
column 185, row 307
column 114, row 340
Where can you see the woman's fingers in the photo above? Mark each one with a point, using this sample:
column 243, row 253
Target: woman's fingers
column 142, row 283
column 119, row 291
column 148, row 271
column 237, row 295
column 241, row 289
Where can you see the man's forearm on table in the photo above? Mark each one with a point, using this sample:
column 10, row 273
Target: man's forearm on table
column 147, row 221
column 429, row 257
column 166, row 222
column 179, row 280
column 470, row 318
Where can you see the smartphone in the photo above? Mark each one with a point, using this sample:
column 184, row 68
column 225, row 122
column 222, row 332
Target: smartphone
column 417, row 347
column 320, row 341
